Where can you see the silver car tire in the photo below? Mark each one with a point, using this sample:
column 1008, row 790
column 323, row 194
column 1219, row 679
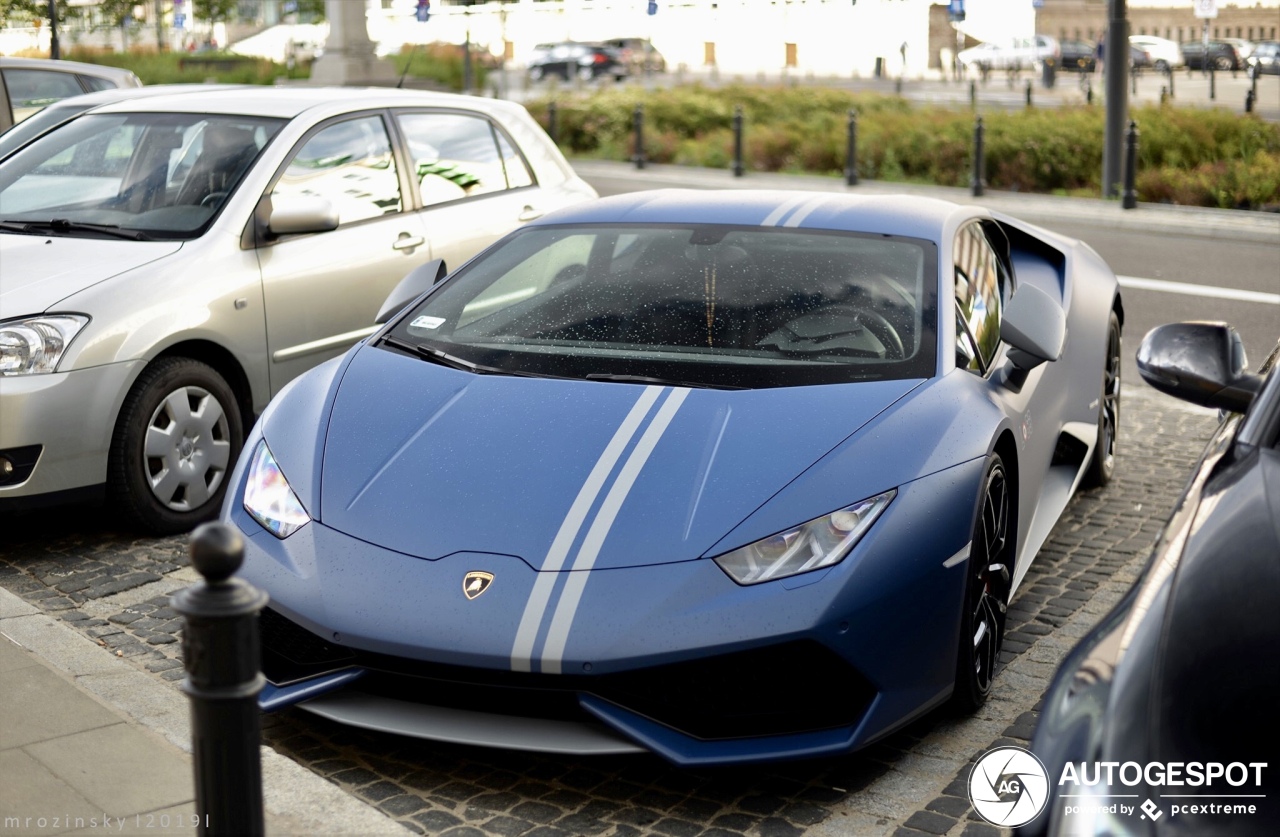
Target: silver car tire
column 176, row 441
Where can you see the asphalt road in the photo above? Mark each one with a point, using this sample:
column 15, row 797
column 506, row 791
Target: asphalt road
column 1242, row 265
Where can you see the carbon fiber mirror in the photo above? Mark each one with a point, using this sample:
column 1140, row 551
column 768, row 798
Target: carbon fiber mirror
column 1199, row 362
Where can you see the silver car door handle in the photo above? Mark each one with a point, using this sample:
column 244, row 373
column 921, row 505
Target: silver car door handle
column 408, row 242
column 528, row 214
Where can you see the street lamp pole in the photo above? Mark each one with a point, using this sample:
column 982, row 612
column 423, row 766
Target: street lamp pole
column 1116, row 61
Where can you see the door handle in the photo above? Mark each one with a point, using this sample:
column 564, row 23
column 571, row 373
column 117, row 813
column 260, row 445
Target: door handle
column 529, row 213
column 408, row 242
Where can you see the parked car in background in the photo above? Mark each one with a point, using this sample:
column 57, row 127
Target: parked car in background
column 171, row 262
column 1221, row 56
column 65, row 110
column 1015, row 54
column 639, row 55
column 583, row 61
column 1265, row 59
column 1243, row 48
column 29, row 84
column 1077, row 57
column 1140, row 59
column 1165, row 54
column 1181, row 673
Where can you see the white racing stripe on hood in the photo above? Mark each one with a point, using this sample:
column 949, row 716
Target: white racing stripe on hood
column 522, row 650
column 567, row 608
column 803, row 212
column 776, row 215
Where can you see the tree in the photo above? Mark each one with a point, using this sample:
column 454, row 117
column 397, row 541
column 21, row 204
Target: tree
column 23, row 11
column 214, row 10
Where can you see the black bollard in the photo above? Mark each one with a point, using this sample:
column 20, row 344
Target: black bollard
column 1253, row 80
column 638, row 120
column 979, row 164
column 973, row 94
column 1028, row 94
column 1213, row 84
column 1133, row 82
column 221, row 653
column 851, row 151
column 551, row 122
column 1248, row 101
column 1171, row 94
column 897, row 86
column 1088, row 91
column 1164, row 95
column 738, row 168
column 1130, row 197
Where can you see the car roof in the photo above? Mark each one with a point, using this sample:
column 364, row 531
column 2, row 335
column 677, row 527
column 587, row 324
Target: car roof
column 65, row 67
column 904, row 215
column 288, row 101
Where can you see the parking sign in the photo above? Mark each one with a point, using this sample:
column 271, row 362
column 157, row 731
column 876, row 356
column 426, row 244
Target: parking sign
column 1206, row 8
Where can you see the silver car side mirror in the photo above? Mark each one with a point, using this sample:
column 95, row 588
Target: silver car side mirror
column 1199, row 362
column 420, row 280
column 297, row 214
column 1035, row 327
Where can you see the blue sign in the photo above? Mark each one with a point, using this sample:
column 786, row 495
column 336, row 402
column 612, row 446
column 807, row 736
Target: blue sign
column 653, row 7
column 955, row 12
column 424, row 11
column 179, row 21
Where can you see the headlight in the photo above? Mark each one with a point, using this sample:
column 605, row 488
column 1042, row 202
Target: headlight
column 810, row 546
column 268, row 497
column 34, row 345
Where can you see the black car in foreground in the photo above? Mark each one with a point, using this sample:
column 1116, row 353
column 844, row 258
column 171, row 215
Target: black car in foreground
column 1163, row 720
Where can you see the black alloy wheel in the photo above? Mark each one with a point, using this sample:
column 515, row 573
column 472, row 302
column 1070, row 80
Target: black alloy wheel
column 989, row 574
column 1102, row 465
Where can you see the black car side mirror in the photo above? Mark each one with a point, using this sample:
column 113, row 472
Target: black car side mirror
column 420, row 280
column 1199, row 362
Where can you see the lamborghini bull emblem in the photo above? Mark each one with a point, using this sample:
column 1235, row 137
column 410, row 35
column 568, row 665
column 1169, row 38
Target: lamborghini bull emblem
column 474, row 583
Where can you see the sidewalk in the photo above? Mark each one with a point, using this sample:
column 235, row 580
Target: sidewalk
column 1201, row 222
column 89, row 744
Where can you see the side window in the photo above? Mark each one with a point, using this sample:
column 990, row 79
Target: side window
column 455, row 155
column 349, row 164
column 517, row 170
column 980, row 283
column 33, row 90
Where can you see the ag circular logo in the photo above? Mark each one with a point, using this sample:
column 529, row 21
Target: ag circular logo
column 1008, row 787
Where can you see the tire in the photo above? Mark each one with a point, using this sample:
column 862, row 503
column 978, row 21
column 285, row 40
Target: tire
column 986, row 597
column 176, row 440
column 1222, row 62
column 1162, row 66
column 1102, row 464
column 535, row 74
column 586, row 74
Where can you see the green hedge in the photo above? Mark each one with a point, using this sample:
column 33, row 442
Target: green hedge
column 1199, row 157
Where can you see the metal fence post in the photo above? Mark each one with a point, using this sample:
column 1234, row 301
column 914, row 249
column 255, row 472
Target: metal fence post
column 551, row 122
column 1130, row 198
column 1171, row 74
column 738, row 168
column 851, row 151
column 979, row 164
column 1213, row 81
column 1248, row 101
column 638, row 120
column 221, row 653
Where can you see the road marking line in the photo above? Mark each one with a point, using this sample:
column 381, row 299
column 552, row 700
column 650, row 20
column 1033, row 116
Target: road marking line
column 1189, row 289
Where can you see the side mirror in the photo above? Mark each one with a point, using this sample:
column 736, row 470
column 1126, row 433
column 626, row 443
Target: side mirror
column 420, row 280
column 1199, row 362
column 298, row 214
column 1035, row 327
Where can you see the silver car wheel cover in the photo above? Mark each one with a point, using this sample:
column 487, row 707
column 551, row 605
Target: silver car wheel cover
column 186, row 449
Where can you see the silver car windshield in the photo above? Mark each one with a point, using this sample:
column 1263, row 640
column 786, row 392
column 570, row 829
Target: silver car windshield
column 164, row 175
column 704, row 305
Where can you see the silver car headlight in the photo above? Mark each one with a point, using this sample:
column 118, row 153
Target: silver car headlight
column 810, row 546
column 34, row 345
column 268, row 497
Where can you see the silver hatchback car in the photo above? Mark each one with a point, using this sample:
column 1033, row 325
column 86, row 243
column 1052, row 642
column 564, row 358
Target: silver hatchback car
column 168, row 264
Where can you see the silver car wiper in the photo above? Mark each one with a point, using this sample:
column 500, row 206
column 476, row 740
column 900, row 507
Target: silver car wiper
column 62, row 225
column 453, row 362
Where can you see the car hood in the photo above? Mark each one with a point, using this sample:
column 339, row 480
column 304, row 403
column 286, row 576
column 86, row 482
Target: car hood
column 41, row 270
column 430, row 461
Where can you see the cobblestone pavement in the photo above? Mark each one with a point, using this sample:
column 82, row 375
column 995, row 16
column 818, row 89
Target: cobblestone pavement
column 114, row 587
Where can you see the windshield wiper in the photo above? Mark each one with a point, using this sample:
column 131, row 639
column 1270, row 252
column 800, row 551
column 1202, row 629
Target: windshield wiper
column 62, row 226
column 645, row 379
column 446, row 359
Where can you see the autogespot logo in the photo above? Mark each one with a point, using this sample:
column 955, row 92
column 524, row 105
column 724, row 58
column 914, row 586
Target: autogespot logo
column 1008, row 787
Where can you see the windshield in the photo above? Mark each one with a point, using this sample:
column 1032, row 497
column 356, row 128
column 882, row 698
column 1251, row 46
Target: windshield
column 161, row 174
column 702, row 305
